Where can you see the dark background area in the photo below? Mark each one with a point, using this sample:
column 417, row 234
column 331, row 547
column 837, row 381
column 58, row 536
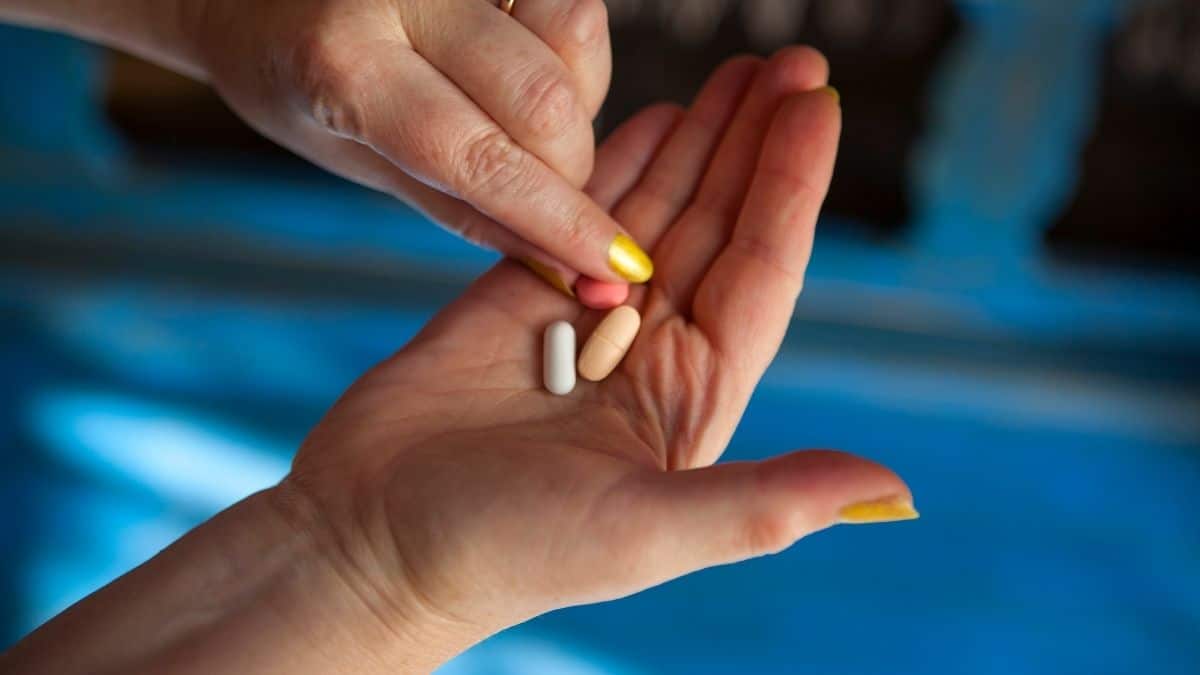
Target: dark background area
column 1134, row 202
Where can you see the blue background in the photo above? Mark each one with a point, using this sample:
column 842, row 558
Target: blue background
column 170, row 334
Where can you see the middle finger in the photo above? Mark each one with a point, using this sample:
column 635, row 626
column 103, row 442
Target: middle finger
column 577, row 30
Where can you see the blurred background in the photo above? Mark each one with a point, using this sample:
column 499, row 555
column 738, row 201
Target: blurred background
column 1004, row 306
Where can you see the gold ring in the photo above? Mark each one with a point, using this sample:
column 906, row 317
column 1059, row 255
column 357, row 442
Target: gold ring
column 507, row 6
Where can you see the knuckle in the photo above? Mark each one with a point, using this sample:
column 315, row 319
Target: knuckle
column 722, row 204
column 492, row 163
column 768, row 257
column 585, row 23
column 574, row 231
column 546, row 103
column 436, row 155
column 475, row 232
column 330, row 85
column 766, row 533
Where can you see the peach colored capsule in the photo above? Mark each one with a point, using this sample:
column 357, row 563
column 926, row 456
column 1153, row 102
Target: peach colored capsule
column 607, row 346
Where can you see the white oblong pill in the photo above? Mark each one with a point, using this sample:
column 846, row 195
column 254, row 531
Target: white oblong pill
column 558, row 358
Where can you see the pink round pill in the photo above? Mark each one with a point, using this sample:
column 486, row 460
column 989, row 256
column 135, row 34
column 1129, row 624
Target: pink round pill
column 600, row 294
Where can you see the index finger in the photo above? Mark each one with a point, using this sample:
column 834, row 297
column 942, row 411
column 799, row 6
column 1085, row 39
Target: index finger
column 746, row 299
column 456, row 148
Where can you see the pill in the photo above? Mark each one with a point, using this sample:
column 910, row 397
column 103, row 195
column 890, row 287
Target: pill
column 558, row 358
column 607, row 346
column 600, row 294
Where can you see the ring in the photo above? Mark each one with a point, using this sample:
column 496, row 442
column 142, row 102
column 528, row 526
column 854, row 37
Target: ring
column 507, row 6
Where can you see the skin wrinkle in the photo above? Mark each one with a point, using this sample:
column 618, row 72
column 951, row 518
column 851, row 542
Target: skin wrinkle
column 608, row 407
column 723, row 205
column 594, row 501
column 564, row 549
column 597, row 507
column 419, row 595
column 421, row 28
column 657, row 394
column 399, row 539
column 344, row 564
column 687, row 423
column 648, row 415
column 651, row 419
column 455, row 394
column 690, row 428
column 665, row 299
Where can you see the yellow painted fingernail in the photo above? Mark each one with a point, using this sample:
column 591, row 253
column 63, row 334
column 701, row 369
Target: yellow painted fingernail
column 628, row 259
column 837, row 97
column 549, row 275
column 886, row 510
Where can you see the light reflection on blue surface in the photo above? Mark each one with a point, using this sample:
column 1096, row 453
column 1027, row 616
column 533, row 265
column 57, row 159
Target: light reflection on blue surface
column 217, row 345
column 513, row 653
column 177, row 454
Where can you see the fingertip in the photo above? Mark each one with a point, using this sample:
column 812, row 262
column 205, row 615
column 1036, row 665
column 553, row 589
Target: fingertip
column 628, row 260
column 662, row 115
column 801, row 59
column 595, row 294
column 725, row 87
column 811, row 111
column 738, row 67
column 799, row 66
column 823, row 488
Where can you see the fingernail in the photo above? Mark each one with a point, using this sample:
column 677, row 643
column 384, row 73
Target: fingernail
column 628, row 259
column 551, row 276
column 885, row 510
column 837, row 98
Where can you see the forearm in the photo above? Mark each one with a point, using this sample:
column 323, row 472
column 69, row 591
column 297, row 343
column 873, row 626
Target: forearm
column 158, row 30
column 259, row 588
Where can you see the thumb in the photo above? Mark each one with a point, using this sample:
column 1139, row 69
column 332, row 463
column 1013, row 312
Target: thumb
column 730, row 512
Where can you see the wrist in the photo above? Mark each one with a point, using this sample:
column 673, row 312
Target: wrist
column 336, row 592
column 265, row 586
column 297, row 594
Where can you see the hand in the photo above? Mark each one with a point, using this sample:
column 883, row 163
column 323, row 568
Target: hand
column 447, row 496
column 481, row 120
column 459, row 489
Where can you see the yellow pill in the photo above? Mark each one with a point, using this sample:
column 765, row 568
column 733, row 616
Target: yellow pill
column 608, row 343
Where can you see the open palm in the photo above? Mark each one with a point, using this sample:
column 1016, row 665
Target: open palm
column 462, row 484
